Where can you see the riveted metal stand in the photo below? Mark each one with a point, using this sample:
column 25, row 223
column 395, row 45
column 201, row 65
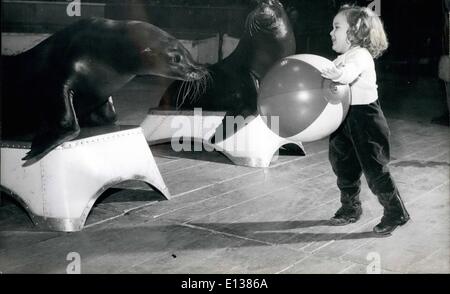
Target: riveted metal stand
column 253, row 144
column 59, row 190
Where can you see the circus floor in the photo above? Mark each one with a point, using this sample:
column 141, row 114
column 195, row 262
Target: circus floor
column 224, row 218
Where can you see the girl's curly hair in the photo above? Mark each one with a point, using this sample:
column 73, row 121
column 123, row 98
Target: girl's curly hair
column 365, row 29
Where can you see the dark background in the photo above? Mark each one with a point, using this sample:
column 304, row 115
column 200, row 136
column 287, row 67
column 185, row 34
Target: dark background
column 415, row 28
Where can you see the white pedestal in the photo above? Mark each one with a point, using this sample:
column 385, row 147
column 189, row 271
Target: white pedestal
column 59, row 190
column 253, row 144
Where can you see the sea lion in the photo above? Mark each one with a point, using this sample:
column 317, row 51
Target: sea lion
column 67, row 80
column 234, row 83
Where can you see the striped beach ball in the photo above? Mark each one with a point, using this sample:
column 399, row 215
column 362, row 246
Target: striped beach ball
column 308, row 106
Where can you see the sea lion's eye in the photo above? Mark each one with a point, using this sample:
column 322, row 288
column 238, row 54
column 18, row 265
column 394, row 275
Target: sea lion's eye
column 176, row 58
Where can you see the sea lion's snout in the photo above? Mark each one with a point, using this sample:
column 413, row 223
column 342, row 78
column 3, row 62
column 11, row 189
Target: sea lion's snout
column 170, row 59
column 268, row 18
column 197, row 72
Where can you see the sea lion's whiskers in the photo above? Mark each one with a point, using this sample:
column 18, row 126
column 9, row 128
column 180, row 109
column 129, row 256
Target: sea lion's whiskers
column 208, row 79
column 199, row 86
column 253, row 28
column 189, row 90
column 202, row 87
column 196, row 90
column 193, row 87
column 180, row 90
column 178, row 96
column 196, row 93
column 186, row 88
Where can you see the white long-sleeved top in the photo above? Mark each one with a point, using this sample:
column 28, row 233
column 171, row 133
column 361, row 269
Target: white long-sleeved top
column 358, row 70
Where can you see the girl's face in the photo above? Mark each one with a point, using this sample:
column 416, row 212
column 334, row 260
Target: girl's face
column 339, row 34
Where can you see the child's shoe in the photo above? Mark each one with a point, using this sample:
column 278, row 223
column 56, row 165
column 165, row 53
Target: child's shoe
column 346, row 215
column 388, row 225
column 395, row 214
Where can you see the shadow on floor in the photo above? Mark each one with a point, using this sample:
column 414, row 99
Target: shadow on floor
column 273, row 231
column 197, row 235
column 181, row 237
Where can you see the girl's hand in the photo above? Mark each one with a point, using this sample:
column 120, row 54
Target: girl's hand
column 332, row 73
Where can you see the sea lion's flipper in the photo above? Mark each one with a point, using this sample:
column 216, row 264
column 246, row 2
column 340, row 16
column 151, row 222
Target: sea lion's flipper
column 46, row 142
column 63, row 127
column 105, row 114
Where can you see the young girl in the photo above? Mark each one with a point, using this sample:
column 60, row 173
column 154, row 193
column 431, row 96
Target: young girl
column 361, row 144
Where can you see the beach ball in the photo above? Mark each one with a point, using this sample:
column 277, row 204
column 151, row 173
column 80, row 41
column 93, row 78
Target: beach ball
column 307, row 106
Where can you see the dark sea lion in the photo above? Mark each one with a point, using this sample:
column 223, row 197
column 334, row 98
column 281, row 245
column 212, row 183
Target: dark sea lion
column 234, row 83
column 67, row 80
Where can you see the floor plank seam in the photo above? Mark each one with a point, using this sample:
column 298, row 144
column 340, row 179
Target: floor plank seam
column 278, row 244
column 163, row 156
column 355, row 264
column 185, row 168
column 439, row 144
column 328, row 258
column 424, row 258
column 224, row 193
column 356, row 229
column 124, row 213
column 257, row 197
column 409, row 155
column 201, row 201
column 230, row 179
column 442, row 154
column 226, row 234
column 215, row 183
column 210, row 185
column 346, row 269
column 294, row 264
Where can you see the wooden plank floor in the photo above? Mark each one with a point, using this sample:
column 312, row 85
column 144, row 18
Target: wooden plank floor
column 232, row 219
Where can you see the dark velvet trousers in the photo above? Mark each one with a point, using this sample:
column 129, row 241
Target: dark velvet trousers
column 361, row 146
